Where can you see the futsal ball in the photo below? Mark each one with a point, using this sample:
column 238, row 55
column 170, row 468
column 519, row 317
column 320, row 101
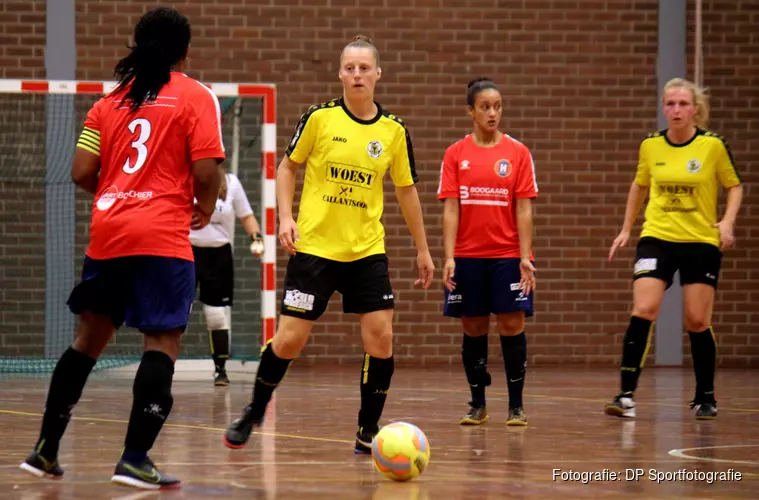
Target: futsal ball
column 400, row 451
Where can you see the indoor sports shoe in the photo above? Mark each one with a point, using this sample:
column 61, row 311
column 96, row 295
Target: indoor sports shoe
column 706, row 410
column 622, row 406
column 221, row 379
column 240, row 429
column 364, row 439
column 40, row 467
column 475, row 416
column 516, row 417
column 143, row 476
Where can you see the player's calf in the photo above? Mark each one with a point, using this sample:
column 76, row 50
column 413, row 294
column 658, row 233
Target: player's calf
column 271, row 371
column 474, row 357
column 376, row 374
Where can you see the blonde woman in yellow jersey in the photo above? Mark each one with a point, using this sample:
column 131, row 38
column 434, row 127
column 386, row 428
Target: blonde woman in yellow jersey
column 337, row 244
column 681, row 168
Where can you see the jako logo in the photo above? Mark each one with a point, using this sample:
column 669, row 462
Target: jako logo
column 110, row 195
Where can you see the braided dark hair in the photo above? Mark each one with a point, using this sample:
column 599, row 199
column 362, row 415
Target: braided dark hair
column 161, row 39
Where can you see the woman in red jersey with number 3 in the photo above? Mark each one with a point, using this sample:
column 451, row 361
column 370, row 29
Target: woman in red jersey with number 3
column 488, row 183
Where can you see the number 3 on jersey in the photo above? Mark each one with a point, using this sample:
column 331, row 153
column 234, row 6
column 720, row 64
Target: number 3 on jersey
column 139, row 144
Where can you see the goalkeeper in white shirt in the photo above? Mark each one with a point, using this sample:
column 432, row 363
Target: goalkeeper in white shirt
column 214, row 265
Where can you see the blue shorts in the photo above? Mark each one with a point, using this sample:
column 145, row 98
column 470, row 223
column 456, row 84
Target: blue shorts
column 486, row 286
column 152, row 294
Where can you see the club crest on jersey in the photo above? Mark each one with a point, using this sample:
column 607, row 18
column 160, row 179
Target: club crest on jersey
column 694, row 166
column 465, row 165
column 374, row 149
column 503, row 168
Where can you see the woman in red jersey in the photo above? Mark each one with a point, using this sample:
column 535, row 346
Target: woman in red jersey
column 147, row 149
column 488, row 183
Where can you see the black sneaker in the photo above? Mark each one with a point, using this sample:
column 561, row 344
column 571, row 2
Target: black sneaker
column 144, row 476
column 705, row 410
column 221, row 379
column 622, row 406
column 240, row 429
column 475, row 415
column 516, row 417
column 36, row 465
column 364, row 439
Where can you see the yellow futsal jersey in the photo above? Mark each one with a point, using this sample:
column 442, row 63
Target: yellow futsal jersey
column 684, row 182
column 342, row 199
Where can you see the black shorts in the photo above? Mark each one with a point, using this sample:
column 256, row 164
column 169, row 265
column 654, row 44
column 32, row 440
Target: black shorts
column 310, row 281
column 215, row 273
column 149, row 293
column 697, row 262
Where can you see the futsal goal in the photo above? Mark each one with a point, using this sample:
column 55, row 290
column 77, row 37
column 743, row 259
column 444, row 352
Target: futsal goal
column 44, row 221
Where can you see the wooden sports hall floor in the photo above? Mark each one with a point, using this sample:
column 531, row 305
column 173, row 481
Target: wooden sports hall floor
column 305, row 449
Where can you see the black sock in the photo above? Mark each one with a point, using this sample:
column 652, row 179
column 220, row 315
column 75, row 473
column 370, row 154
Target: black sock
column 271, row 371
column 219, row 348
column 474, row 355
column 514, row 349
column 376, row 374
column 634, row 351
column 703, row 348
column 152, row 402
column 66, row 385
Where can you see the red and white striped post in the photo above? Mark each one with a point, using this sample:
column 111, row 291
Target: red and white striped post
column 266, row 91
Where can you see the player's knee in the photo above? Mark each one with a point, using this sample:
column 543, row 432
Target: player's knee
column 646, row 310
column 291, row 337
column 511, row 323
column 93, row 335
column 216, row 317
column 168, row 342
column 697, row 321
column 476, row 326
column 379, row 345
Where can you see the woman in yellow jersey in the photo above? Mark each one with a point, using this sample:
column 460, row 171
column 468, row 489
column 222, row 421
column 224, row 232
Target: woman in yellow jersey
column 337, row 244
column 681, row 168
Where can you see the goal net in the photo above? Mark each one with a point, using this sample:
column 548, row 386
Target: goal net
column 44, row 221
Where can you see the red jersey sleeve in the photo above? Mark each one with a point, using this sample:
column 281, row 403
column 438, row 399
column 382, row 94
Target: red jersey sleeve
column 205, row 130
column 92, row 120
column 449, row 175
column 526, row 185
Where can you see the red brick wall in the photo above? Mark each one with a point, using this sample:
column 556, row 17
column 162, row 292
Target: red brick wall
column 22, row 39
column 579, row 83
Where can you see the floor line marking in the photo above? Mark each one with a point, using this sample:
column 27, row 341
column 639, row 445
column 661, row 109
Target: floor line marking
column 183, row 426
column 528, row 395
column 680, row 453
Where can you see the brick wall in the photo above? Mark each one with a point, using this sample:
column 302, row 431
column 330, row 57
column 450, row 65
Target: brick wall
column 22, row 274
column 579, row 82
